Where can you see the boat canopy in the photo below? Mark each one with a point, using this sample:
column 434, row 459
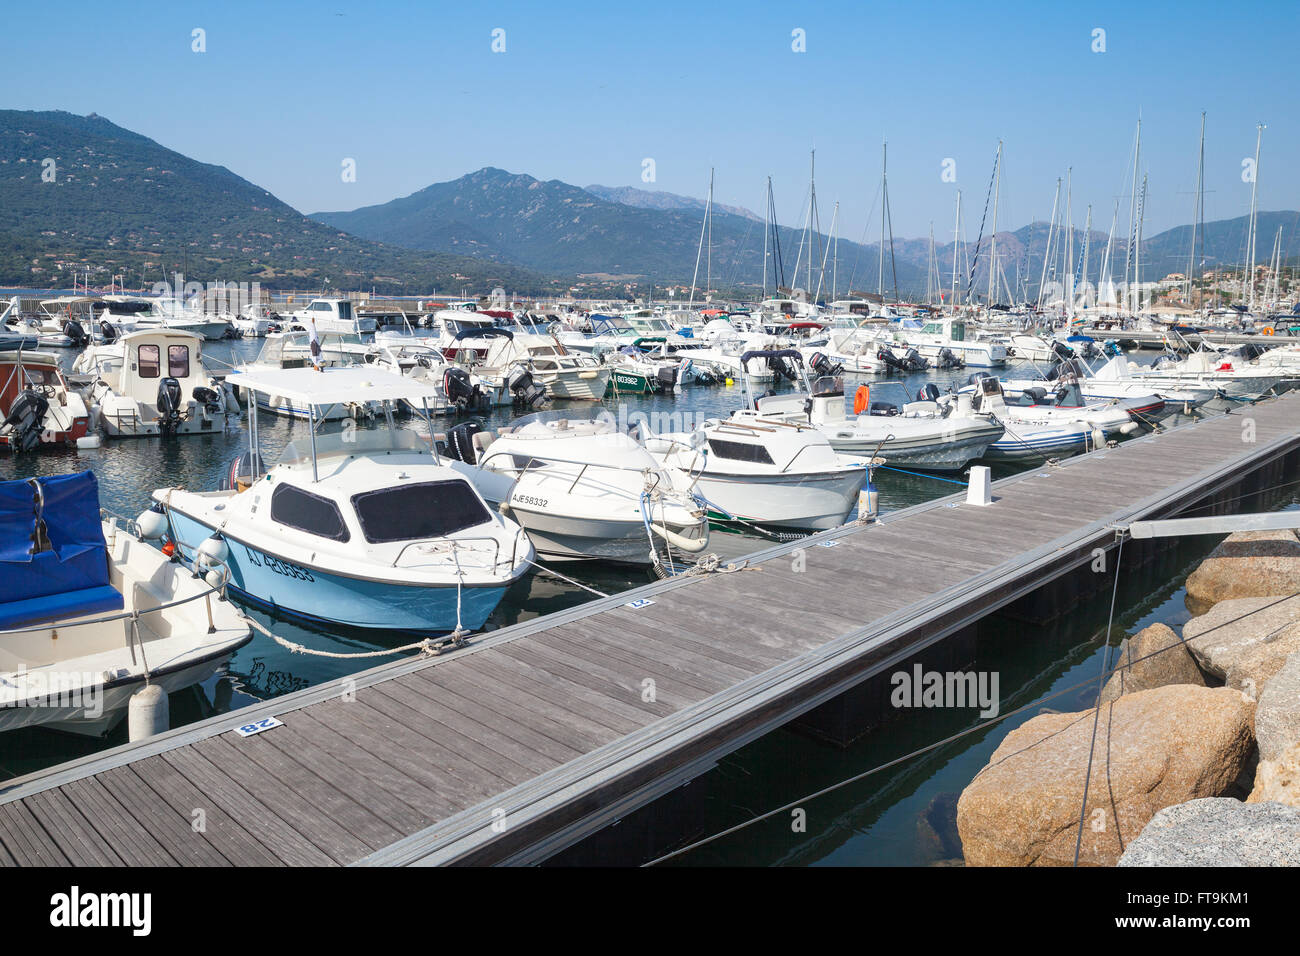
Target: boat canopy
column 53, row 557
column 772, row 353
column 334, row 386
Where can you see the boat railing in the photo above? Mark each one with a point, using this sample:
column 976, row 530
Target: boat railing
column 452, row 545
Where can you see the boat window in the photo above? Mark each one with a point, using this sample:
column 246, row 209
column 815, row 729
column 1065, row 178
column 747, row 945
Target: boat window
column 740, row 451
column 178, row 361
column 149, row 361
column 345, row 311
column 307, row 512
column 430, row 509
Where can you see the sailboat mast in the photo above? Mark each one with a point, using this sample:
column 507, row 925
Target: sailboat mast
column 767, row 234
column 884, row 188
column 1068, row 285
column 1132, row 217
column 708, row 217
column 956, row 242
column 1106, row 280
column 1047, row 252
column 1087, row 249
column 1250, row 244
column 699, row 251
column 993, row 237
column 1197, row 211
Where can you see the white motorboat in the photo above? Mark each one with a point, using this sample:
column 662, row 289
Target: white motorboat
column 331, row 315
column 1207, row 369
column 90, row 614
column 365, row 528
column 1063, row 400
column 286, row 350
column 153, row 382
column 1033, row 431
column 902, row 433
column 765, row 471
column 582, row 489
column 561, row 373
column 948, row 334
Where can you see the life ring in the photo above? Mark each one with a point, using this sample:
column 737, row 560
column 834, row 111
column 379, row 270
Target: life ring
column 861, row 399
column 1268, row 331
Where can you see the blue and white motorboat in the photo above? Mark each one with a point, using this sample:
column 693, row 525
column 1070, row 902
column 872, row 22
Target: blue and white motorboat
column 364, row 528
column 91, row 613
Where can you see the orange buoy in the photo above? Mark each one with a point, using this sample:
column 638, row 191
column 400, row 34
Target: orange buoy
column 1267, row 331
column 169, row 548
column 861, row 399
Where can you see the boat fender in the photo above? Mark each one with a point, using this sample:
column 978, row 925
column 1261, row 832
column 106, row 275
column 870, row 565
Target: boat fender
column 147, row 713
column 213, row 551
column 680, row 542
column 861, row 399
column 152, row 523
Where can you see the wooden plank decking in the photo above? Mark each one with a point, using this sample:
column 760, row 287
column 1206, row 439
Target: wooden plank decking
column 532, row 736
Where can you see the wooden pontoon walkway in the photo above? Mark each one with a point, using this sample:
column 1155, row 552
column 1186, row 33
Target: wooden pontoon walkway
column 533, row 736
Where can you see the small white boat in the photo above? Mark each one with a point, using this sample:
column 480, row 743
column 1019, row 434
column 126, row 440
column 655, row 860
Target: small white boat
column 581, row 489
column 364, row 528
column 765, row 471
column 37, row 406
column 72, row 651
column 904, row 433
column 331, row 315
column 152, row 382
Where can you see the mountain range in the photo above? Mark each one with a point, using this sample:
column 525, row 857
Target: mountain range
column 81, row 193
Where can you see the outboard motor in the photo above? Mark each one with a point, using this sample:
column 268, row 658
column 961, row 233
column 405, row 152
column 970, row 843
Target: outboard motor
column 241, row 467
column 976, row 377
column 208, row 398
column 525, row 391
column 770, row 392
column 170, row 398
column 1062, row 351
column 460, row 442
column 75, row 333
column 24, row 423
column 914, row 362
column 821, row 364
column 891, row 361
column 109, row 331
column 948, row 359
column 461, row 391
column 928, row 393
column 666, row 376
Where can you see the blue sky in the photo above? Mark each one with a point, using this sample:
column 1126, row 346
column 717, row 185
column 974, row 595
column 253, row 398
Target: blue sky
column 584, row 92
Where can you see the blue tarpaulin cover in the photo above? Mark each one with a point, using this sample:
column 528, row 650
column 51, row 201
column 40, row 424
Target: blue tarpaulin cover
column 72, row 578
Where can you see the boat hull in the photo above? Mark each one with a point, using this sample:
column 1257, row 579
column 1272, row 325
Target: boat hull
column 315, row 594
column 810, row 502
column 560, row 537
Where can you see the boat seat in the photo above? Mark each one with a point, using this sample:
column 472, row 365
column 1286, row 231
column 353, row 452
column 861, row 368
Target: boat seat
column 70, row 578
column 103, row 599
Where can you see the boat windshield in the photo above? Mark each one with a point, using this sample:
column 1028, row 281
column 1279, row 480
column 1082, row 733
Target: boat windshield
column 565, row 420
column 354, row 441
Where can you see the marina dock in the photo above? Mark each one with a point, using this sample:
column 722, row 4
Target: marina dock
column 531, row 738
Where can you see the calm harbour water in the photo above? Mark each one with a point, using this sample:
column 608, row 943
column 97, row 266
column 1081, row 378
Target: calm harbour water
column 877, row 821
